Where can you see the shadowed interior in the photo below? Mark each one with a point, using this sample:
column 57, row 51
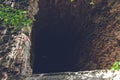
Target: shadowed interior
column 58, row 42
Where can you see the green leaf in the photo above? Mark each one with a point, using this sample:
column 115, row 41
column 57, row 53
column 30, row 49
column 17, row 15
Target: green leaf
column 116, row 66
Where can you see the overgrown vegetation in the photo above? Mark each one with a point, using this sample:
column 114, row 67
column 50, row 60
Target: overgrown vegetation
column 13, row 18
column 115, row 66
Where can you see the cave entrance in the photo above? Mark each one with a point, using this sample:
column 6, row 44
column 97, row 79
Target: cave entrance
column 73, row 36
column 53, row 52
column 55, row 45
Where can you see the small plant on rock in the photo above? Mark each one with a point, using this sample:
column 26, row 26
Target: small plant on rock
column 115, row 66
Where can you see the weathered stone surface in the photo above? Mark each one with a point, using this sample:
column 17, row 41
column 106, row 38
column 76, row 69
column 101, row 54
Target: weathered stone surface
column 95, row 32
column 81, row 75
column 16, row 61
column 14, row 48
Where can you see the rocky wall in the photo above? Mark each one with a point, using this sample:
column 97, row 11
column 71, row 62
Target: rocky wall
column 14, row 54
column 81, row 75
column 94, row 31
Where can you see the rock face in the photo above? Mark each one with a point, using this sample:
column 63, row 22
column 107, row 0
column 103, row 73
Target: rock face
column 82, row 75
column 14, row 50
column 15, row 62
column 66, row 36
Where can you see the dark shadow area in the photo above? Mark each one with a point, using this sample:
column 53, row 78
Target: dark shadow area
column 53, row 53
column 58, row 41
column 52, row 44
column 73, row 36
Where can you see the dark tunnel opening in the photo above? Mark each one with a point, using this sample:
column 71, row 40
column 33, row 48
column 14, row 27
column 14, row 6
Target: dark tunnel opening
column 72, row 37
column 53, row 48
column 55, row 45
column 54, row 52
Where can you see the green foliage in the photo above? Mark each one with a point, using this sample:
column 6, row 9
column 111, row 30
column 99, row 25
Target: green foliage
column 14, row 18
column 115, row 66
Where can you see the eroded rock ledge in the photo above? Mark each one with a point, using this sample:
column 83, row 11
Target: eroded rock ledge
column 81, row 75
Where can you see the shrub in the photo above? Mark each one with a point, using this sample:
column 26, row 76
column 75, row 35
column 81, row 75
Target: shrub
column 13, row 18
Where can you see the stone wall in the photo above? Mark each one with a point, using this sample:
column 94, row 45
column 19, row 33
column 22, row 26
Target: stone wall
column 81, row 75
column 16, row 61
